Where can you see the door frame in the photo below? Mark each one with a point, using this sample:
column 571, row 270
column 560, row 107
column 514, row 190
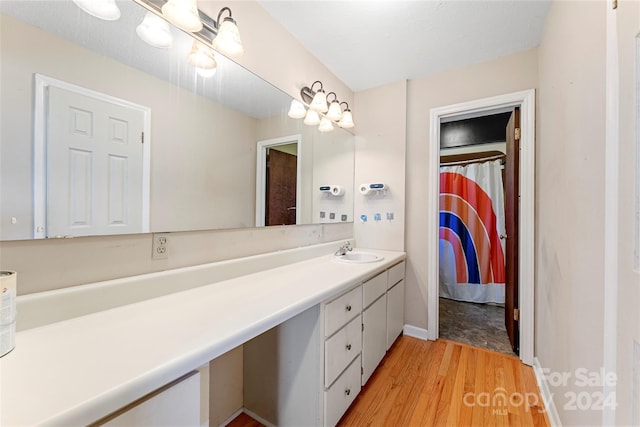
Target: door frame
column 261, row 174
column 40, row 112
column 526, row 101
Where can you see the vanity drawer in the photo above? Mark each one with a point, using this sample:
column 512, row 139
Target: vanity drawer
column 342, row 309
column 396, row 273
column 340, row 349
column 342, row 393
column 373, row 288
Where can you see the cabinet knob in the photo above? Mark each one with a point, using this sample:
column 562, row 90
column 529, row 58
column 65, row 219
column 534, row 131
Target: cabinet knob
column 348, row 347
column 348, row 307
column 347, row 391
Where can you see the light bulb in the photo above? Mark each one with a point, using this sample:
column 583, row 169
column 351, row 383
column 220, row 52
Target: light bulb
column 155, row 31
column 319, row 102
column 297, row 110
column 206, row 72
column 228, row 40
column 202, row 58
column 103, row 9
column 347, row 120
column 325, row 125
column 312, row 118
column 335, row 112
column 183, row 14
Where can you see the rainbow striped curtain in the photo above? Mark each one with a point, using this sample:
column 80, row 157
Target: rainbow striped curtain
column 472, row 255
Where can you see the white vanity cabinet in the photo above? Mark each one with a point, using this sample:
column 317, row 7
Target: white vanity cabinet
column 308, row 370
column 395, row 302
column 342, row 352
column 374, row 324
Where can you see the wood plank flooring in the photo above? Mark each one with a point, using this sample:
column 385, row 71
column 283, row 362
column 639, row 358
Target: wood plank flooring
column 434, row 383
column 443, row 383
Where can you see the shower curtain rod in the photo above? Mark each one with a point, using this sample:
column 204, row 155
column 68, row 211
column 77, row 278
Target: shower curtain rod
column 464, row 162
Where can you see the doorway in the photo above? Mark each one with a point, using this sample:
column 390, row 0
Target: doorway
column 478, row 229
column 278, row 181
column 525, row 100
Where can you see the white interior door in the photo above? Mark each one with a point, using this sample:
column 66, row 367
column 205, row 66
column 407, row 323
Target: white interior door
column 94, row 166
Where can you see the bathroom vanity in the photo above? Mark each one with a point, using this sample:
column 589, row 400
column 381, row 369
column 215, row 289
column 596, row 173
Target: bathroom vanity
column 313, row 330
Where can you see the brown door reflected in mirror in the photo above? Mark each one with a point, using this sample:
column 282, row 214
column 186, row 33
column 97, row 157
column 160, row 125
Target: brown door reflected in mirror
column 281, row 184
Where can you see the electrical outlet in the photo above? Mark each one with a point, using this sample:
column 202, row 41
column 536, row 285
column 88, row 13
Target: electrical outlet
column 160, row 247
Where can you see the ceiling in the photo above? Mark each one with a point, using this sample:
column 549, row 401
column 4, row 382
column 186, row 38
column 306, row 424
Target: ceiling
column 371, row 43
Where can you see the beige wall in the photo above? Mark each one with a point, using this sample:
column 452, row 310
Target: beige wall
column 628, row 16
column 380, row 158
column 570, row 197
column 503, row 75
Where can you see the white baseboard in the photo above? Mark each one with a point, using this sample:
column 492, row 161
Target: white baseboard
column 414, row 331
column 547, row 396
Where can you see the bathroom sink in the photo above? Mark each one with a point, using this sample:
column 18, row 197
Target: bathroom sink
column 357, row 257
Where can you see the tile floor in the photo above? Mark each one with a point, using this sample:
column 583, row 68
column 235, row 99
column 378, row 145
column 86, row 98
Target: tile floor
column 480, row 325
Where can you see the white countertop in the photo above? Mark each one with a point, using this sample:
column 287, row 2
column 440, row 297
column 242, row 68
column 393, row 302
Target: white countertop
column 76, row 371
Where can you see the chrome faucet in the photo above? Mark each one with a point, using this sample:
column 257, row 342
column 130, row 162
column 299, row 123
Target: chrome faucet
column 346, row 247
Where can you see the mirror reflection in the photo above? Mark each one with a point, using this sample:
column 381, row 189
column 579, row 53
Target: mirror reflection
column 104, row 134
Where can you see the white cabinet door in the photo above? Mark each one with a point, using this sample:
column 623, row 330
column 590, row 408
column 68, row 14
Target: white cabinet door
column 374, row 336
column 178, row 405
column 395, row 312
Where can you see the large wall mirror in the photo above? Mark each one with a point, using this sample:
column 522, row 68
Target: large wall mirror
column 190, row 150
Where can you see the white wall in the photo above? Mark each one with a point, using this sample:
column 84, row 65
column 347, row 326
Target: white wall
column 570, row 198
column 499, row 76
column 628, row 16
column 380, row 118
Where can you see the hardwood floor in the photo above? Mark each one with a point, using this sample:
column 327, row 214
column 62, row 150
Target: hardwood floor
column 432, row 383
column 244, row 420
column 443, row 383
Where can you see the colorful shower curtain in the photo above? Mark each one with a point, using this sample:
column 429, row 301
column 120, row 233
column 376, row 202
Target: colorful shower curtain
column 472, row 255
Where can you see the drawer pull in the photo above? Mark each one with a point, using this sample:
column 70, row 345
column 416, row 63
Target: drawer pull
column 349, row 307
column 347, row 391
column 348, row 347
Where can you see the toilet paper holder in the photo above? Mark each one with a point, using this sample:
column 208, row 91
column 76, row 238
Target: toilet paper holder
column 333, row 190
column 372, row 188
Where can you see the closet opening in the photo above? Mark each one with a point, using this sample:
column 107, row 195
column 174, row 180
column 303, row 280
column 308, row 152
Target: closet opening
column 478, row 229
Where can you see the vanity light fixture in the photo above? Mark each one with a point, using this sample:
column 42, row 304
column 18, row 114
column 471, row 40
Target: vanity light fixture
column 183, row 14
column 223, row 35
column 103, row 9
column 155, row 31
column 347, row 119
column 202, row 58
column 317, row 101
column 297, row 110
column 227, row 41
column 325, row 125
